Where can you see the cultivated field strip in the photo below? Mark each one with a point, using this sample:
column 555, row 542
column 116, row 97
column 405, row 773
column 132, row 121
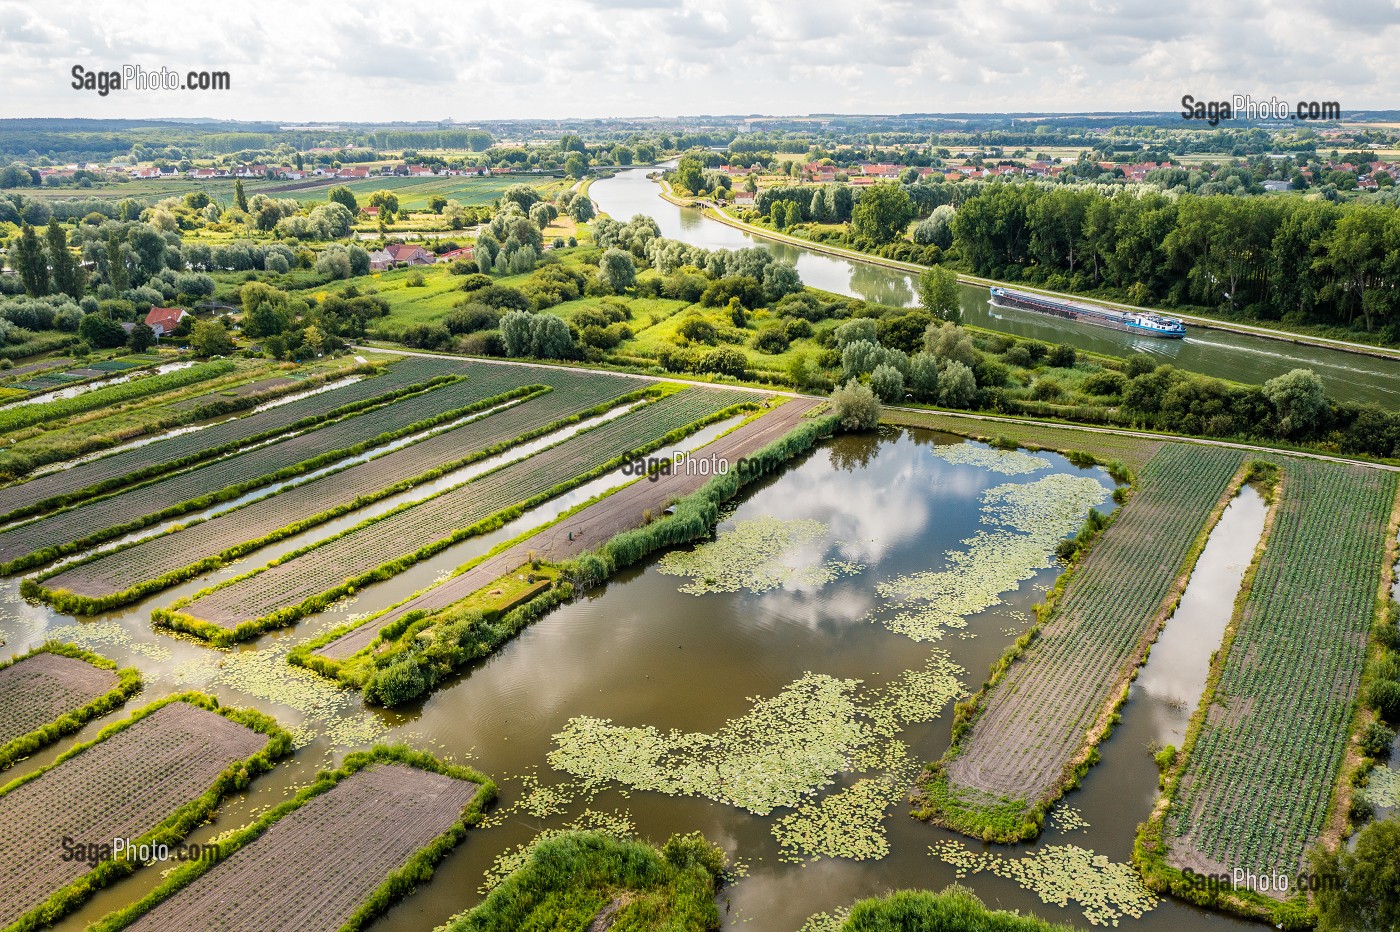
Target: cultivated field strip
column 162, row 558
column 42, row 687
column 123, row 786
column 589, row 529
column 1036, row 719
column 315, row 866
column 1257, row 782
column 181, row 449
column 91, row 522
column 435, row 521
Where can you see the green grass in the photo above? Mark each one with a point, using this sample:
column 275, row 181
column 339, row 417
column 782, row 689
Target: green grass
column 956, row 908
column 570, row 878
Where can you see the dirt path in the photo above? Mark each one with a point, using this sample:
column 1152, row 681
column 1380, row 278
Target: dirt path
column 586, row 530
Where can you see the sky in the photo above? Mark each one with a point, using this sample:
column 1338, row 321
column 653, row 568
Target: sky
column 468, row 60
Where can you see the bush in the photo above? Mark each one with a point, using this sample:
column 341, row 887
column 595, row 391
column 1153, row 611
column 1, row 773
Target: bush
column 1062, row 356
column 1046, row 389
column 957, row 386
column 1384, row 697
column 1104, row 383
column 396, row 684
column 1376, row 740
column 772, row 340
column 1019, row 356
column 471, row 317
column 855, row 406
column 1139, row 364
column 725, row 361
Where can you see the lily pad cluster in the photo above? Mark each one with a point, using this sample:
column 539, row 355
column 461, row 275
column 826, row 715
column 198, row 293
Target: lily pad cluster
column 100, row 634
column 1063, row 875
column 1068, row 819
column 756, row 555
column 1005, row 462
column 1383, row 787
column 1030, row 519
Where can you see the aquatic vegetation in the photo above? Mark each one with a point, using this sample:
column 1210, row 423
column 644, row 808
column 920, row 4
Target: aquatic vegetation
column 845, row 824
column 616, row 824
column 1383, row 787
column 783, row 749
column 107, row 634
column 1030, row 519
column 326, row 709
column 1006, row 462
column 1068, row 819
column 826, row 922
column 1062, row 874
column 757, row 555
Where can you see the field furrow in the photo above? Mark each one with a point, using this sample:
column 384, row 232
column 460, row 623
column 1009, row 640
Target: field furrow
column 125, row 785
column 402, row 537
column 162, row 561
column 194, row 446
column 40, row 540
column 1256, row 782
column 374, row 821
column 1036, row 722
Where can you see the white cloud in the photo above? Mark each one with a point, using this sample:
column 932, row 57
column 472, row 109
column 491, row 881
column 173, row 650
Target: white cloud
column 477, row 59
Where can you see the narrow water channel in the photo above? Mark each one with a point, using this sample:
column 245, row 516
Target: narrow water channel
column 1218, row 353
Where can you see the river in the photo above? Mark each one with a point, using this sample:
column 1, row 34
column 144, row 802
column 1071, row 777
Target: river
column 1220, row 353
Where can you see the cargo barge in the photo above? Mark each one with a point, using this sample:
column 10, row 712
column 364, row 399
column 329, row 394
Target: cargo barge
column 1154, row 325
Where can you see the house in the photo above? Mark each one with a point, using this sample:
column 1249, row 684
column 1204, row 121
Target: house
column 419, row 171
column 409, row 254
column 370, row 211
column 352, row 173
column 164, row 320
column 745, row 198
column 466, row 253
column 202, row 173
column 379, row 260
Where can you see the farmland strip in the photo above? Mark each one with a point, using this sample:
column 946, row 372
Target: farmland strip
column 22, row 416
column 121, row 576
column 1037, row 724
column 150, row 778
column 91, row 522
column 53, row 691
column 386, row 545
column 56, row 488
column 1257, row 775
column 388, row 815
column 590, row 528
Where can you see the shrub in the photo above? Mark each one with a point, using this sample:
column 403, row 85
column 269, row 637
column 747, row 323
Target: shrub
column 471, row 317
column 1062, row 356
column 923, row 376
column 855, row 406
column 396, row 684
column 957, row 386
column 1384, row 697
column 1139, row 364
column 1046, row 389
column 1376, row 740
column 1018, row 355
column 1105, row 382
column 772, row 340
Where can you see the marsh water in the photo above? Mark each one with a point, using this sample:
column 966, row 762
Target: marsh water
column 642, row 652
column 1220, row 353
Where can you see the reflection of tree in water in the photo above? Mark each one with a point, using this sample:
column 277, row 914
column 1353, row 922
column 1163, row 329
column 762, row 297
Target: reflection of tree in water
column 880, row 285
column 854, row 452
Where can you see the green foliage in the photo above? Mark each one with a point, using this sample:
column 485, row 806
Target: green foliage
column 957, row 386
column 1360, row 888
column 881, row 213
column 1376, row 740
column 956, row 909
column 1299, row 402
column 210, row 338
column 855, row 406
column 887, row 383
column 938, row 293
column 572, row 878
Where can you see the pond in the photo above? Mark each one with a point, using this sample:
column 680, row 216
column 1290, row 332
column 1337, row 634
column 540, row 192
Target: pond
column 844, row 605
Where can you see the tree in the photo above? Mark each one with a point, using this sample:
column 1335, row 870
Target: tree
column 239, row 197
column 860, row 357
column 882, row 213
column 957, row 386
column 575, row 166
column 581, row 209
column 861, row 328
column 345, row 197
column 31, row 263
column 387, row 202
column 117, row 275
column 617, row 271
column 437, row 203
column 855, row 406
column 1360, row 888
column 689, row 177
column 550, row 337
column 209, row 338
column 949, row 342
column 517, row 332
column 101, row 331
column 938, row 293
column 937, row 228
column 1300, row 404
column 521, row 195
column 314, row 338
column 887, row 383
column 142, row 338
column 923, row 376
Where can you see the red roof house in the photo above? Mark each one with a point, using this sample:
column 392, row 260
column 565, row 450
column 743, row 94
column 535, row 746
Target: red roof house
column 164, row 320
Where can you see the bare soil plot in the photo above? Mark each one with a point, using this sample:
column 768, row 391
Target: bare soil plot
column 1036, row 724
column 396, row 540
column 588, row 529
column 194, row 446
column 53, row 691
column 166, row 558
column 100, row 519
column 314, row 867
column 124, row 785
